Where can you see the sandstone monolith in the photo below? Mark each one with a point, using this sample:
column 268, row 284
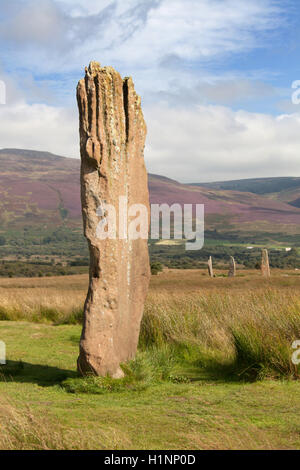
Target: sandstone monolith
column 210, row 267
column 112, row 138
column 265, row 267
column 232, row 267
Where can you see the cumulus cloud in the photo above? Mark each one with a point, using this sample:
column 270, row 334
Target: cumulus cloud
column 205, row 143
column 193, row 29
column 140, row 34
column 167, row 45
column 39, row 127
column 32, row 22
column 219, row 90
column 209, row 143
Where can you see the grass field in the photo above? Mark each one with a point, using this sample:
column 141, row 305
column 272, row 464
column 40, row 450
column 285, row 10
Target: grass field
column 213, row 370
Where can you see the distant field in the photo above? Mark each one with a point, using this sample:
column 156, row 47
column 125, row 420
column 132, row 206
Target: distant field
column 213, row 370
column 61, row 299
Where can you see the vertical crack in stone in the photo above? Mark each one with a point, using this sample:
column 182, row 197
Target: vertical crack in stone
column 97, row 91
column 126, row 112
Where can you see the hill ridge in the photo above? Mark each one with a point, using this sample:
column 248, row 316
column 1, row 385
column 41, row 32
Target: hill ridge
column 39, row 188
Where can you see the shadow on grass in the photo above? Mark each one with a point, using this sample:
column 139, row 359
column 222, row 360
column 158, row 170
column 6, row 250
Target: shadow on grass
column 178, row 365
column 205, row 366
column 196, row 373
column 234, row 371
column 43, row 375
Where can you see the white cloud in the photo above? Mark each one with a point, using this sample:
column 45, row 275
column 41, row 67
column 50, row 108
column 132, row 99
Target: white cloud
column 206, row 143
column 167, row 46
column 78, row 8
column 210, row 143
column 216, row 90
column 39, row 127
column 193, row 30
column 137, row 33
column 163, row 44
column 33, row 22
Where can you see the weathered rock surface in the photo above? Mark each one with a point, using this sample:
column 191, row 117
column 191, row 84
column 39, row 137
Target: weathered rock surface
column 265, row 267
column 232, row 267
column 210, row 267
column 112, row 138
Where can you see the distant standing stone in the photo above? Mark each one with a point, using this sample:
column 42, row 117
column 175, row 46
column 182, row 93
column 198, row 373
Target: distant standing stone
column 232, row 267
column 265, row 267
column 210, row 267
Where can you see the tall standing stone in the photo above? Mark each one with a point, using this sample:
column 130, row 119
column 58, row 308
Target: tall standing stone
column 210, row 267
column 112, row 138
column 265, row 267
column 232, row 267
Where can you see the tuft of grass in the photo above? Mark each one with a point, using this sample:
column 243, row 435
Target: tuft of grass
column 247, row 336
column 101, row 385
column 148, row 368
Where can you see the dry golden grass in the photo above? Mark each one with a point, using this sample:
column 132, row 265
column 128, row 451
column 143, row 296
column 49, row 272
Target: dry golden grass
column 225, row 433
column 252, row 331
column 28, row 298
column 248, row 319
column 214, row 331
column 54, row 299
column 23, row 429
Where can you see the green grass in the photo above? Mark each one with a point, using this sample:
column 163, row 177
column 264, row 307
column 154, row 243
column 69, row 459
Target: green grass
column 213, row 368
column 242, row 335
column 38, row 411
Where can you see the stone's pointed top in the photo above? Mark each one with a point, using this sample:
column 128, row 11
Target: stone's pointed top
column 110, row 69
column 93, row 68
column 128, row 80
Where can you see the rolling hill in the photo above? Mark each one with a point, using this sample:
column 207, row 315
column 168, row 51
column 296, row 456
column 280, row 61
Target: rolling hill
column 256, row 185
column 41, row 189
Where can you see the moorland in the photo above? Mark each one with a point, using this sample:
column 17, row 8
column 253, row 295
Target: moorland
column 213, row 368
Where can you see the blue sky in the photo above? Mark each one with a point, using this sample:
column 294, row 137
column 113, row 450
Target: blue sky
column 214, row 75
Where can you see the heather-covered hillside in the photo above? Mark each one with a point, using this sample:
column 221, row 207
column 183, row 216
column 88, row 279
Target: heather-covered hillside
column 42, row 189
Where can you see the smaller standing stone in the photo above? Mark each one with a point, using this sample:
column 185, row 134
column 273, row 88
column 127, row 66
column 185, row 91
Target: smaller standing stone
column 210, row 267
column 265, row 267
column 232, row 267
